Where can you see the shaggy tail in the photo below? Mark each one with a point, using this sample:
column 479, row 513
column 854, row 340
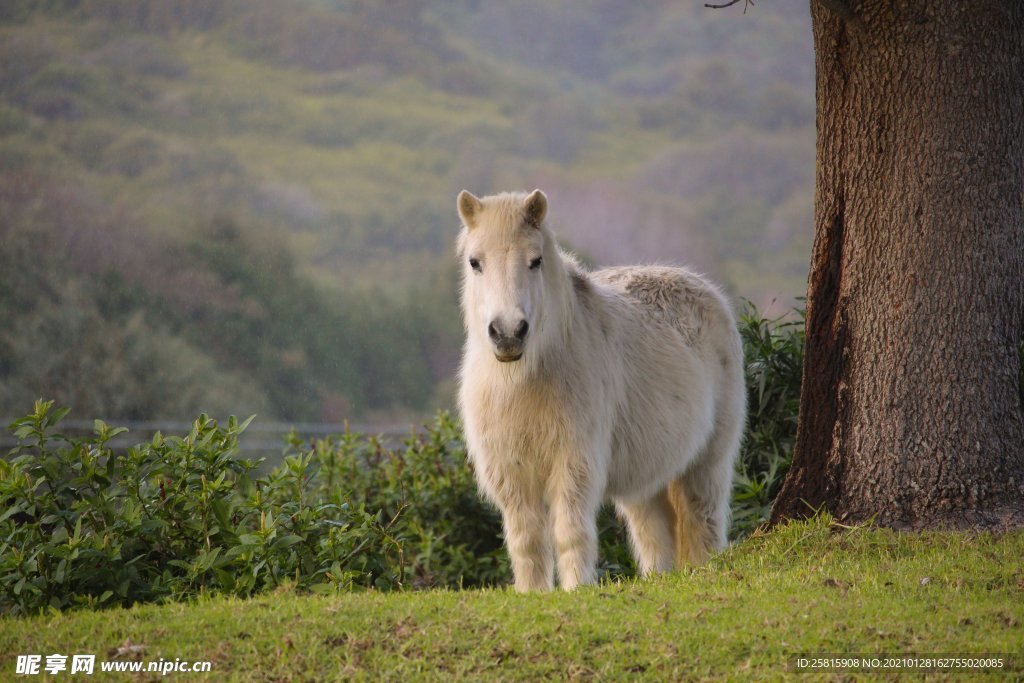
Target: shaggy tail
column 695, row 536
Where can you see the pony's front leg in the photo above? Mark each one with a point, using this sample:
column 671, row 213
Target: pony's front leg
column 528, row 543
column 575, row 503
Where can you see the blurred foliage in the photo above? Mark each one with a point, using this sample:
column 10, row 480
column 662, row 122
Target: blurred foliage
column 262, row 191
column 218, row 325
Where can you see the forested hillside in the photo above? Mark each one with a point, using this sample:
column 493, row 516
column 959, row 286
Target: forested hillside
column 248, row 206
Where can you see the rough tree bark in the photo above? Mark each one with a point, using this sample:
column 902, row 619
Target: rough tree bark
column 910, row 411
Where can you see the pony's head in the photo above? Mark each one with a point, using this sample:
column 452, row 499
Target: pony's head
column 510, row 263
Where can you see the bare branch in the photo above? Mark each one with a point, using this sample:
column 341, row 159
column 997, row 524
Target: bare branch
column 730, row 3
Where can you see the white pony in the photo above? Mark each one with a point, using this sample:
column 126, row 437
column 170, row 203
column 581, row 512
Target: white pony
column 576, row 386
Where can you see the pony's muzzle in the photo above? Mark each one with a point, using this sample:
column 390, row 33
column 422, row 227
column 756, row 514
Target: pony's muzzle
column 508, row 347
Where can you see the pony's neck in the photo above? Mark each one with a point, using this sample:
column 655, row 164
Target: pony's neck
column 562, row 304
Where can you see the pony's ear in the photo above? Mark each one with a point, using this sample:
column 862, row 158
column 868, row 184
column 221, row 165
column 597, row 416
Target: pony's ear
column 536, row 207
column 469, row 208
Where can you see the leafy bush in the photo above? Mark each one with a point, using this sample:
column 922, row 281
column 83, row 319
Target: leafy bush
column 451, row 536
column 82, row 524
column 773, row 352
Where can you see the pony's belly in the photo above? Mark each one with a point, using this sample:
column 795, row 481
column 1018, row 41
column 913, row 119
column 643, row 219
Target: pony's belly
column 650, row 450
column 637, row 474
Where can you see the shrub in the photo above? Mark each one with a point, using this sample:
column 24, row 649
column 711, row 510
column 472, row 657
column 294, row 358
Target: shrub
column 82, row 524
column 451, row 536
column 773, row 352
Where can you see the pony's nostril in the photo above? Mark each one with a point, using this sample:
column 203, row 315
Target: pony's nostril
column 493, row 333
column 521, row 329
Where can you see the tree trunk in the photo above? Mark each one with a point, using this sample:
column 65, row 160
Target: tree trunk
column 910, row 412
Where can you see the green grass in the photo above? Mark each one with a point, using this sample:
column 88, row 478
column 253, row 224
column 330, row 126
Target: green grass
column 803, row 589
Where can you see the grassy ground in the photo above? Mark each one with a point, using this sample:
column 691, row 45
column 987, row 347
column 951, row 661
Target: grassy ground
column 809, row 588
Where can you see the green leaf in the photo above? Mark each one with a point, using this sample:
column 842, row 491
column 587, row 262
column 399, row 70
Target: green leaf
column 286, row 542
column 9, row 511
column 237, row 551
column 222, row 511
column 207, row 558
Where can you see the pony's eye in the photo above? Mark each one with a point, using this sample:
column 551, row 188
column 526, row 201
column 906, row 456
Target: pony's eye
column 535, row 263
column 474, row 264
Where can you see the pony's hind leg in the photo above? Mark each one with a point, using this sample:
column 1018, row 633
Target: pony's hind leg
column 702, row 493
column 650, row 531
column 701, row 497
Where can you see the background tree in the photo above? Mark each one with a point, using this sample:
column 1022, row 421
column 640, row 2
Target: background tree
column 910, row 408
